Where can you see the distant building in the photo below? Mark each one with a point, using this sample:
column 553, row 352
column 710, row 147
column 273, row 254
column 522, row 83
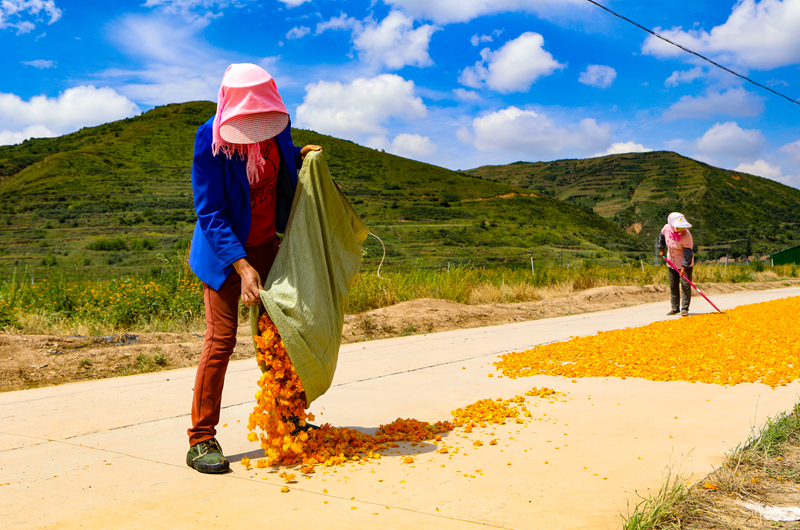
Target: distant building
column 785, row 257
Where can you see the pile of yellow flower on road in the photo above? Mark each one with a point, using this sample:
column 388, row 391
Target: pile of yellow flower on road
column 753, row 343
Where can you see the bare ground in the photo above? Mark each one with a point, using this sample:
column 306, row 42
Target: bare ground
column 28, row 361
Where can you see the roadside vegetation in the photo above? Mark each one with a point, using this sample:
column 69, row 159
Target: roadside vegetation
column 765, row 469
column 172, row 301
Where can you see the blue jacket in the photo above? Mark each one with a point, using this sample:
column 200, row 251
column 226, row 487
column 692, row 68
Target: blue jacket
column 222, row 202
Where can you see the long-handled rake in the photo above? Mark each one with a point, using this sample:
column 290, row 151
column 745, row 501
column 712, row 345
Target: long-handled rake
column 693, row 285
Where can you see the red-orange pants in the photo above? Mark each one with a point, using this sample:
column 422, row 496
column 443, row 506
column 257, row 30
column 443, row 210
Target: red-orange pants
column 222, row 321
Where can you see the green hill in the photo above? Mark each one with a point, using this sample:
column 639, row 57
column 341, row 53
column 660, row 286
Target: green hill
column 116, row 199
column 732, row 212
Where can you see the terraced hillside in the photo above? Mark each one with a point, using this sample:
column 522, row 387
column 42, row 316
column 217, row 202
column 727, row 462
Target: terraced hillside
column 116, row 199
column 733, row 212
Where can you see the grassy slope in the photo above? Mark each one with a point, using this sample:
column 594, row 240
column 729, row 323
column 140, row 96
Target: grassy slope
column 639, row 190
column 127, row 185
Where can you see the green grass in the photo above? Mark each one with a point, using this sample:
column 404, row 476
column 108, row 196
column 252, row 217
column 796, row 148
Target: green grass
column 769, row 441
column 732, row 212
column 174, row 301
column 116, row 200
column 663, row 510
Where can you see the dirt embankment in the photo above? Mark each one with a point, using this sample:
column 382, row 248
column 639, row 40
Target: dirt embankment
column 28, row 361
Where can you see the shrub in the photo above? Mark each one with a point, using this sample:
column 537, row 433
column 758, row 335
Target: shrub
column 108, row 245
column 143, row 244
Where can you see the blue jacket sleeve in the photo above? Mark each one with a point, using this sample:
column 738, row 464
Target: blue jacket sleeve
column 210, row 200
column 298, row 160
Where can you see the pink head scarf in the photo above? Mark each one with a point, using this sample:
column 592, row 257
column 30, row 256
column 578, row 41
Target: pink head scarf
column 249, row 110
column 676, row 220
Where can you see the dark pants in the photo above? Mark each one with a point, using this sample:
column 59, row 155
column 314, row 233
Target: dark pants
column 678, row 285
column 222, row 321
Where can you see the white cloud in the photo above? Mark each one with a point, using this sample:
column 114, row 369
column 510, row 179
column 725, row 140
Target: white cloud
column 16, row 137
column 684, row 76
column 620, row 148
column 733, row 102
column 512, row 68
column 24, row 27
column 478, row 39
column 40, row 64
column 340, row 22
column 169, row 53
column 199, row 12
column 204, row 10
column 759, row 35
column 413, row 146
column 379, row 143
column 793, row 150
column 393, row 42
column 728, row 139
column 534, row 135
column 76, row 107
column 11, row 12
column 598, row 75
column 298, row 32
column 761, row 168
column 466, row 95
column 358, row 108
column 448, row 11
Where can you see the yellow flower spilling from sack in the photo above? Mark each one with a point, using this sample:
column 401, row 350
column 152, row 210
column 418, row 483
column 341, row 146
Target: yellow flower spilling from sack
column 281, row 416
column 280, row 400
column 753, row 343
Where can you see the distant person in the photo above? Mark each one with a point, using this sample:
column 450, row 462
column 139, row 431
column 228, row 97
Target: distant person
column 244, row 175
column 677, row 241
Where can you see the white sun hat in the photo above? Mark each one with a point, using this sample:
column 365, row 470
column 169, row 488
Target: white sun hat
column 678, row 220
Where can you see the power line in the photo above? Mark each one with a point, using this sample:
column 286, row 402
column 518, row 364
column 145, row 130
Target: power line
column 692, row 52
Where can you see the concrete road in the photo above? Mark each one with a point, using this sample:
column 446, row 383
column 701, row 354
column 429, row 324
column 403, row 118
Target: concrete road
column 110, row 453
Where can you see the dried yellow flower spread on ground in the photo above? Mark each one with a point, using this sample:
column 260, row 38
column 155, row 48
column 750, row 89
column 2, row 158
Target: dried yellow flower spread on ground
column 753, row 343
column 280, row 415
column 497, row 411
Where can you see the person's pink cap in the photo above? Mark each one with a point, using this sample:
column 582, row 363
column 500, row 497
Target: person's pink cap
column 249, row 107
column 249, row 111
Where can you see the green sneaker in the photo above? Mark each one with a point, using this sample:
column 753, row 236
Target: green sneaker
column 207, row 457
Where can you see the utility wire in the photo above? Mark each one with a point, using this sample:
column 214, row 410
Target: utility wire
column 690, row 51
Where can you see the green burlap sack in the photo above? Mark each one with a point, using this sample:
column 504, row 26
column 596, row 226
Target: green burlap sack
column 306, row 291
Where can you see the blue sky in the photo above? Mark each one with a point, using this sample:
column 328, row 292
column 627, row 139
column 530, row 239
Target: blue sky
column 458, row 83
